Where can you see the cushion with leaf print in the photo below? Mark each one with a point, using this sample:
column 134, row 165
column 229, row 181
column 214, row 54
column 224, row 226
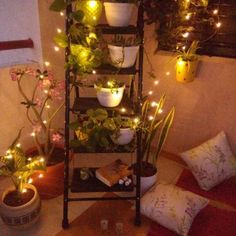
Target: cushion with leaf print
column 212, row 162
column 172, row 207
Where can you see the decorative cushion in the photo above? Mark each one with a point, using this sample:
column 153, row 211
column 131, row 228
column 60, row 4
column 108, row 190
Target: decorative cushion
column 172, row 207
column 212, row 162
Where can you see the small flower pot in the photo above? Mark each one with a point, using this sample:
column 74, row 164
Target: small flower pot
column 124, row 137
column 123, row 57
column 23, row 216
column 108, row 97
column 118, row 14
column 186, row 70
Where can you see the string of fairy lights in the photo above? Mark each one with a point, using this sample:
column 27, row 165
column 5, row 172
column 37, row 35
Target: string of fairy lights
column 185, row 35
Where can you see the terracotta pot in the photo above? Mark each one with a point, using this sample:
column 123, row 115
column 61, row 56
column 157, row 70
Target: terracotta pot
column 23, row 216
column 52, row 183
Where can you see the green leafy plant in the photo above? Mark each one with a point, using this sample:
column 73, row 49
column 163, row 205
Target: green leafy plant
column 122, row 41
column 16, row 165
column 109, row 82
column 155, row 127
column 190, row 54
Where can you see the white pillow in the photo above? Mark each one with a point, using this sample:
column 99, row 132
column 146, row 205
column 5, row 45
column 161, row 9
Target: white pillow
column 212, row 162
column 172, row 207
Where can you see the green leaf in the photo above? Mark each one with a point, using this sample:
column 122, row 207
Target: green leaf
column 78, row 15
column 74, row 125
column 101, row 114
column 58, row 5
column 61, row 40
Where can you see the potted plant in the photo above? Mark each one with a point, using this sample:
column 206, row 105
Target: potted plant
column 93, row 131
column 125, row 130
column 123, row 51
column 154, row 127
column 20, row 204
column 119, row 12
column 42, row 106
column 187, row 62
column 109, row 91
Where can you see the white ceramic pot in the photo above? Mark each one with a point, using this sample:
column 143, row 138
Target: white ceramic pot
column 125, row 136
column 118, row 14
column 23, row 216
column 123, row 57
column 109, row 97
column 146, row 182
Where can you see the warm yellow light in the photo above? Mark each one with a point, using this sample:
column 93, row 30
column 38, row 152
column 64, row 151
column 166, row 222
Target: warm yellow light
column 29, row 159
column 218, row 24
column 24, row 190
column 40, row 176
column 20, row 177
column 92, row 4
column 59, row 30
column 45, row 91
column 154, row 104
column 9, row 156
column 45, row 122
column 150, row 117
column 180, row 62
column 184, row 47
column 47, row 106
column 94, row 72
column 188, row 16
column 41, row 159
column 136, row 120
column 18, row 145
column 150, row 92
column 47, row 63
column 30, row 181
column 123, row 109
column 61, row 13
column 215, row 12
column 56, row 48
column 185, row 35
column 41, row 76
column 33, row 134
column 156, row 82
column 167, row 73
column 160, row 111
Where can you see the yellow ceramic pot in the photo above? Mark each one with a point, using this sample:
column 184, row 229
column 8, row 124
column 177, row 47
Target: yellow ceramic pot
column 186, row 70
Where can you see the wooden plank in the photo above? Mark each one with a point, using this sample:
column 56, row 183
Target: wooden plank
column 16, row 44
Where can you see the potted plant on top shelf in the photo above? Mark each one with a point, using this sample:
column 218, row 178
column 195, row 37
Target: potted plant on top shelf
column 109, row 91
column 41, row 107
column 186, row 64
column 152, row 127
column 119, row 12
column 123, row 51
column 20, row 204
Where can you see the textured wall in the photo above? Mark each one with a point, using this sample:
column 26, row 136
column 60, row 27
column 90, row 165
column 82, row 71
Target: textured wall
column 203, row 107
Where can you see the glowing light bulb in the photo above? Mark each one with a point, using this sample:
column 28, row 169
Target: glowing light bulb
column 215, row 12
column 136, row 120
column 160, row 111
column 33, row 134
column 47, row 106
column 156, row 82
column 150, row 92
column 184, row 47
column 188, row 16
column 45, row 122
column 40, row 176
column 185, row 35
column 154, row 104
column 94, row 72
column 41, row 76
column 150, row 117
column 41, row 159
column 123, row 109
column 218, row 24
column 45, row 91
column 92, row 4
column 18, row 145
column 29, row 159
column 47, row 63
column 56, row 48
column 9, row 156
column 24, row 190
column 59, row 30
column 20, row 177
column 167, row 73
column 61, row 13
column 30, row 181
column 94, row 17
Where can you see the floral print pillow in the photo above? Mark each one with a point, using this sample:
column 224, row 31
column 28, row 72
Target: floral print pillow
column 212, row 162
column 172, row 207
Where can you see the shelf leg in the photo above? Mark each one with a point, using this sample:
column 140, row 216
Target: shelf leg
column 65, row 223
column 137, row 220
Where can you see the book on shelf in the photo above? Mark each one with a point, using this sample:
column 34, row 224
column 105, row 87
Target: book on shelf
column 113, row 172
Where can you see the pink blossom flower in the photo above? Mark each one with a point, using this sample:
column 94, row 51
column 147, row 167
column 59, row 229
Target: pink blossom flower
column 15, row 74
column 30, row 71
column 38, row 102
column 56, row 137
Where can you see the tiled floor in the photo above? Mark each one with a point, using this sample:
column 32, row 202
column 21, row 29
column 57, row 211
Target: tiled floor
column 51, row 212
